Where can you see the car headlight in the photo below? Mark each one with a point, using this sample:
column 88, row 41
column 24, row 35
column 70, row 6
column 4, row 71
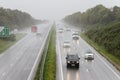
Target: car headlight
column 68, row 61
column 77, row 61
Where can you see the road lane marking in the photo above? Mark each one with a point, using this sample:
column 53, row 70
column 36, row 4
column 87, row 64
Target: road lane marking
column 77, row 76
column 87, row 70
column 82, row 62
column 108, row 67
column 101, row 59
column 11, row 64
column 3, row 74
column 68, row 76
column 60, row 59
column 16, row 58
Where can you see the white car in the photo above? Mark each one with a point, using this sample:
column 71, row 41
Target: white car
column 38, row 34
column 66, row 44
column 75, row 36
column 60, row 30
column 89, row 55
column 68, row 29
column 75, row 33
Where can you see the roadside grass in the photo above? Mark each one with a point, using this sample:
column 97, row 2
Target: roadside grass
column 6, row 44
column 50, row 62
column 111, row 58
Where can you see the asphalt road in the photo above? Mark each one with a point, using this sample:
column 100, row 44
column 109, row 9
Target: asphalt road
column 17, row 62
column 98, row 69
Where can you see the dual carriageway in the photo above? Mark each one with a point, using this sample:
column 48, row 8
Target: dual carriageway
column 19, row 61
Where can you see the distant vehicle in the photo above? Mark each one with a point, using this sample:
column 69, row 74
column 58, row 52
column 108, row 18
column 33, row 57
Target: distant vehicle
column 60, row 30
column 72, row 60
column 38, row 34
column 68, row 29
column 66, row 44
column 15, row 30
column 34, row 29
column 89, row 55
column 75, row 35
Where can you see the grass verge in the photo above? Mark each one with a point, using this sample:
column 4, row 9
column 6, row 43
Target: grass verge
column 111, row 58
column 6, row 44
column 50, row 62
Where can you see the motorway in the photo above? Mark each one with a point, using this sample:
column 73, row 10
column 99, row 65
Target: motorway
column 17, row 62
column 98, row 69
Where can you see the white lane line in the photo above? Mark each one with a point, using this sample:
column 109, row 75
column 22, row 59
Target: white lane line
column 60, row 60
column 108, row 67
column 87, row 70
column 16, row 58
column 82, row 62
column 11, row 64
column 101, row 59
column 3, row 74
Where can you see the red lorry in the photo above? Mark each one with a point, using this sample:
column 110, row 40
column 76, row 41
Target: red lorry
column 34, row 29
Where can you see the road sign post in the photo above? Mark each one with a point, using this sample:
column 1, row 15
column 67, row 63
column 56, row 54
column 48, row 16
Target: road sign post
column 4, row 31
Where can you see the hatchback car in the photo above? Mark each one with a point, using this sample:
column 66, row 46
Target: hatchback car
column 89, row 55
column 66, row 44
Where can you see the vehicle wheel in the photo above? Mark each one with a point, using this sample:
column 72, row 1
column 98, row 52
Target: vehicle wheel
column 67, row 65
column 77, row 66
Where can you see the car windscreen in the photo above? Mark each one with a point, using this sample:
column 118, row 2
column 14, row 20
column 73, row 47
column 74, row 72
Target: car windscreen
column 73, row 57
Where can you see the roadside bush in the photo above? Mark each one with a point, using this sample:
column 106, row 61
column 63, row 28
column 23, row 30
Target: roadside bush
column 10, row 38
column 107, row 37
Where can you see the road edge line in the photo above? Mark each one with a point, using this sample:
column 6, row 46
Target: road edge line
column 101, row 59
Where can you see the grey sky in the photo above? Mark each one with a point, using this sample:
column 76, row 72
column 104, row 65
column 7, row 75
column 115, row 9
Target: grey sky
column 54, row 9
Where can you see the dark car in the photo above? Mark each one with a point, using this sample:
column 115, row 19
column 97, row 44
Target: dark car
column 72, row 60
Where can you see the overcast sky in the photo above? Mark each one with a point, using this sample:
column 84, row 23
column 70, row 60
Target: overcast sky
column 55, row 9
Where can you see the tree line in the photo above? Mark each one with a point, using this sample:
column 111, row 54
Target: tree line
column 16, row 19
column 97, row 15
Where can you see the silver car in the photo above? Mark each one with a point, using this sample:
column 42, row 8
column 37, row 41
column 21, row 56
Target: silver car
column 89, row 55
column 66, row 44
column 60, row 30
column 75, row 35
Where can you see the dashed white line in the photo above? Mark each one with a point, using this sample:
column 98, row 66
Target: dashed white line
column 87, row 70
column 3, row 74
column 11, row 64
column 82, row 62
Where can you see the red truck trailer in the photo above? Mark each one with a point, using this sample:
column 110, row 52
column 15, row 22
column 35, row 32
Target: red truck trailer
column 34, row 29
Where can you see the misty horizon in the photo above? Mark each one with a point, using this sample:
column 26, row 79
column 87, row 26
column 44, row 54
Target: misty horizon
column 55, row 9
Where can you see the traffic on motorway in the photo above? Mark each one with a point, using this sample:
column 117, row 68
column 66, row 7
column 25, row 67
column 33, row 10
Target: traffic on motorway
column 59, row 39
column 77, row 60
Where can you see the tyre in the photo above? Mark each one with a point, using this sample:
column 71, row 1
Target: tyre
column 77, row 66
column 68, row 65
